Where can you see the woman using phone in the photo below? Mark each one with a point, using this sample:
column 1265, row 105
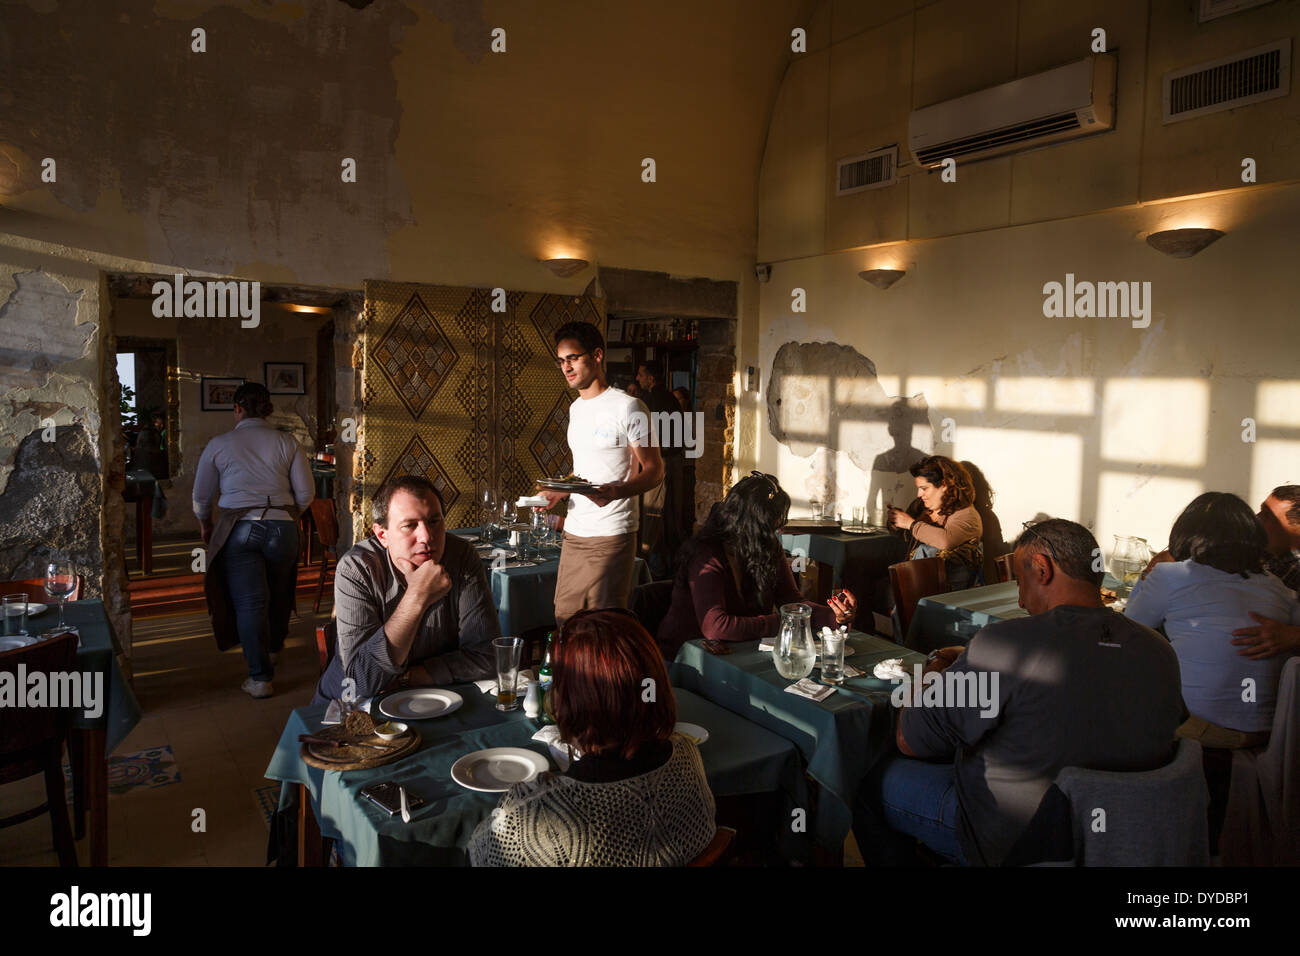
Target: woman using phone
column 732, row 577
column 942, row 522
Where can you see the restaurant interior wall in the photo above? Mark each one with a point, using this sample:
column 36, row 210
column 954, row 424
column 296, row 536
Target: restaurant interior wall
column 221, row 348
column 1086, row 418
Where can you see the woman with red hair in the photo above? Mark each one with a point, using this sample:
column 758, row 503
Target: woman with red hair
column 637, row 796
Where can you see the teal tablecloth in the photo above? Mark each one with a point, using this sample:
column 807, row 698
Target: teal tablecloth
column 97, row 653
column 525, row 597
column 859, row 562
column 739, row 758
column 942, row 620
column 841, row 737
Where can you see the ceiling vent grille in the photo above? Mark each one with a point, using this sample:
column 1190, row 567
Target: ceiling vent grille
column 1213, row 9
column 1225, row 84
column 873, row 170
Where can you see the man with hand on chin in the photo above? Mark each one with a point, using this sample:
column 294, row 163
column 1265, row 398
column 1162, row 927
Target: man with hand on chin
column 609, row 435
column 412, row 603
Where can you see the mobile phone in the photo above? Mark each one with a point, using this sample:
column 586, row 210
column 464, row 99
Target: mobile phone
column 385, row 797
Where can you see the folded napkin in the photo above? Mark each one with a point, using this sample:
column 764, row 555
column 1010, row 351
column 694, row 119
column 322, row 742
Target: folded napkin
column 334, row 716
column 550, row 735
column 891, row 669
column 851, row 671
column 526, row 677
column 810, row 689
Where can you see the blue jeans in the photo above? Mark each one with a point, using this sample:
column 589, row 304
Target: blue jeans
column 261, row 560
column 911, row 797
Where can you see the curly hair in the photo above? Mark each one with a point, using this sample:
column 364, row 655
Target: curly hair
column 958, row 489
column 746, row 522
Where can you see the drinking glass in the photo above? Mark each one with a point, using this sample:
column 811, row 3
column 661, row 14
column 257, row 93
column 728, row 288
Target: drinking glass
column 15, row 611
column 833, row 657
column 857, row 517
column 507, row 650
column 487, row 500
column 816, row 506
column 60, row 581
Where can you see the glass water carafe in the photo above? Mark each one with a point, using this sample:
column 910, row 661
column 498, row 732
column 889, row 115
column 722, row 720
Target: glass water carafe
column 794, row 653
column 1128, row 560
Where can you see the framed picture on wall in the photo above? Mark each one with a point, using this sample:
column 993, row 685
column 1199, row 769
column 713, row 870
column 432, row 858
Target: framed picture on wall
column 285, row 378
column 614, row 333
column 218, row 394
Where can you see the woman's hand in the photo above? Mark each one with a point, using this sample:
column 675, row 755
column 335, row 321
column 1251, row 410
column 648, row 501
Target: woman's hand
column 845, row 606
column 900, row 519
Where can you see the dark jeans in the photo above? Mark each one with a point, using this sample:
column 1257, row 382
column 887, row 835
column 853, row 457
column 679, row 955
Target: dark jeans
column 912, row 798
column 261, row 559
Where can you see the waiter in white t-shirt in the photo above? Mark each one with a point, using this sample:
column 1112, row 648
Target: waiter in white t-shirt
column 609, row 437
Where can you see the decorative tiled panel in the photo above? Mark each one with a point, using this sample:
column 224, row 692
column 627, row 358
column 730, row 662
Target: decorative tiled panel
column 468, row 397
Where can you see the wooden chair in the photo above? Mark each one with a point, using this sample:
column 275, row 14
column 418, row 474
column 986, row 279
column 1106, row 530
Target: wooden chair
column 327, row 529
column 716, row 851
column 650, row 603
column 32, row 738
column 327, row 637
column 34, row 588
column 912, row 580
column 1006, row 570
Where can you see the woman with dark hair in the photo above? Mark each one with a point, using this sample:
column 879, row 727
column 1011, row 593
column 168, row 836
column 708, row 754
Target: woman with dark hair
column 942, row 522
column 259, row 480
column 1214, row 579
column 637, row 794
column 732, row 577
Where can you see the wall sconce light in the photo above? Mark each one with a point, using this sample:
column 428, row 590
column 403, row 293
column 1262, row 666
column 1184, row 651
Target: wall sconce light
column 882, row 278
column 1182, row 243
column 563, row 268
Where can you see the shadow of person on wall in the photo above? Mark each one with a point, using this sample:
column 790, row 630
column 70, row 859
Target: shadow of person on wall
column 891, row 483
column 994, row 545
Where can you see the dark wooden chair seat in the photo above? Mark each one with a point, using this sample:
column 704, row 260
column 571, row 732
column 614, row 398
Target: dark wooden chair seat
column 1006, row 570
column 32, row 739
column 715, row 853
column 912, row 580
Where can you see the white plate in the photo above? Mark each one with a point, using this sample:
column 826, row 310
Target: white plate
column 420, row 703
column 32, row 609
column 496, row 769
column 692, row 730
column 15, row 642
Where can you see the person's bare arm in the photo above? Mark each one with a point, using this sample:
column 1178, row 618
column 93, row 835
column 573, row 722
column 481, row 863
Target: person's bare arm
column 651, row 474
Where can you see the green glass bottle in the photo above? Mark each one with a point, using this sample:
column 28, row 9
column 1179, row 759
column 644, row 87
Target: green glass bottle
column 545, row 676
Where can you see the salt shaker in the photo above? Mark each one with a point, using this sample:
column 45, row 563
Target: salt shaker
column 533, row 700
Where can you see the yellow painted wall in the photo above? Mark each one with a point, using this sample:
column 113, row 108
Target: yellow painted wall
column 1089, row 419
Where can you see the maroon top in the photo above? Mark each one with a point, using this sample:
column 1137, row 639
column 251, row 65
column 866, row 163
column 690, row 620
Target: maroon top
column 707, row 604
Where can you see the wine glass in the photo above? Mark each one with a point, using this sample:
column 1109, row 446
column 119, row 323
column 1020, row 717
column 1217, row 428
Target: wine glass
column 60, row 581
column 488, row 501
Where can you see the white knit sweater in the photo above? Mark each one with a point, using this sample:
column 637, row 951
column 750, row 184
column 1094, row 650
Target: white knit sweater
column 660, row 818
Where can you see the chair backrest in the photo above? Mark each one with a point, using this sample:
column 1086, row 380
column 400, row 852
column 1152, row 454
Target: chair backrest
column 327, row 636
column 327, row 522
column 1151, row 818
column 912, row 580
column 650, row 603
column 25, row 728
column 34, row 588
column 1004, row 567
column 716, row 851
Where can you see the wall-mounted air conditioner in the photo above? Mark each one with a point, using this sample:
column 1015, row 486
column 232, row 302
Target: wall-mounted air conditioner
column 1074, row 100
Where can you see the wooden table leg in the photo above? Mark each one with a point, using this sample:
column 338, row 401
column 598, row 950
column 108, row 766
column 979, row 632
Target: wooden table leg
column 309, row 839
column 97, row 794
column 77, row 760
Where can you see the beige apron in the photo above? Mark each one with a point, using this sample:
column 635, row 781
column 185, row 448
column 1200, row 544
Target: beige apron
column 221, row 609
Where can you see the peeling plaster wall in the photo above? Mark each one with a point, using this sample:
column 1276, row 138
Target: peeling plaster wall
column 221, row 348
column 53, row 371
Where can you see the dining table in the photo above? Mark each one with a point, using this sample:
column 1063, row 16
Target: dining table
column 524, row 592
column 857, row 559
column 93, row 738
column 739, row 757
column 841, row 737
